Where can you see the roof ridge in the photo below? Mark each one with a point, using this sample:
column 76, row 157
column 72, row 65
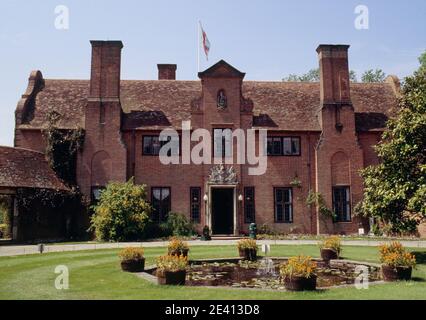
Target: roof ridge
column 21, row 149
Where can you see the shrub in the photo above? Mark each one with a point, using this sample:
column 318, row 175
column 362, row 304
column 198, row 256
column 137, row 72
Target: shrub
column 300, row 266
column 265, row 229
column 131, row 254
column 332, row 243
column 122, row 213
column 2, row 214
column 247, row 244
column 176, row 245
column 3, row 230
column 177, row 225
column 394, row 255
column 172, row 263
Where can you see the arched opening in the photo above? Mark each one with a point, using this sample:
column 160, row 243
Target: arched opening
column 101, row 172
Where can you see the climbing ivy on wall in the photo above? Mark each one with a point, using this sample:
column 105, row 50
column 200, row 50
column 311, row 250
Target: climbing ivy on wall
column 45, row 213
column 62, row 147
column 317, row 199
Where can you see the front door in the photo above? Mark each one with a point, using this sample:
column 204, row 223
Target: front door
column 222, row 211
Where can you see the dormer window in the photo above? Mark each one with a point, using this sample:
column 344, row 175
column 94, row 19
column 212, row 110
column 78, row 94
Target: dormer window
column 222, row 100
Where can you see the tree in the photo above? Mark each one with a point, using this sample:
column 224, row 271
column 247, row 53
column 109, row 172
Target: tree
column 352, row 76
column 122, row 212
column 395, row 190
column 313, row 75
column 371, row 75
column 422, row 60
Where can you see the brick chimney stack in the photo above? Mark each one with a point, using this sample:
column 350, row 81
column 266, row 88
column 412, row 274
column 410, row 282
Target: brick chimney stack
column 105, row 70
column 167, row 71
column 334, row 74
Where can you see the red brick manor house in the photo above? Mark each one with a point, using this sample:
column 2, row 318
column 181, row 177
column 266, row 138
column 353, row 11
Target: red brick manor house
column 319, row 136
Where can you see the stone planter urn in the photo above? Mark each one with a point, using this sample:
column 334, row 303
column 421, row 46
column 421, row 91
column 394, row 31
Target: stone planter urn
column 300, row 283
column 329, row 254
column 175, row 278
column 248, row 254
column 135, row 265
column 396, row 273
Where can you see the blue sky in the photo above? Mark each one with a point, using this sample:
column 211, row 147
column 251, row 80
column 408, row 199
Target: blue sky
column 267, row 39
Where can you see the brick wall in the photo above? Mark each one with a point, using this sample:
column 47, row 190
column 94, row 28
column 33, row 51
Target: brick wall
column 329, row 158
column 104, row 157
column 339, row 156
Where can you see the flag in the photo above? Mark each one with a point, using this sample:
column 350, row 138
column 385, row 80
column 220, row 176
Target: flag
column 206, row 42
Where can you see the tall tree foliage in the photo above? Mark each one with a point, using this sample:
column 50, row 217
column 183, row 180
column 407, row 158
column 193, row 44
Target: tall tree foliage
column 395, row 190
column 313, row 75
column 371, row 76
column 422, row 60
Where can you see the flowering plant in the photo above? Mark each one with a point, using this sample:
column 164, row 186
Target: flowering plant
column 332, row 243
column 395, row 255
column 131, row 254
column 300, row 266
column 172, row 263
column 247, row 244
column 176, row 244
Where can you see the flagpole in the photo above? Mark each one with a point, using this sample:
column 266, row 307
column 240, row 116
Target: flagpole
column 198, row 46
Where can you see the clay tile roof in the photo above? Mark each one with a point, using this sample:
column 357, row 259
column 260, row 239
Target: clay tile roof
column 154, row 104
column 22, row 168
column 67, row 97
column 159, row 103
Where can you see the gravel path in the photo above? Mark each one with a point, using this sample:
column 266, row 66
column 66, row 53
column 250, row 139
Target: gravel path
column 16, row 250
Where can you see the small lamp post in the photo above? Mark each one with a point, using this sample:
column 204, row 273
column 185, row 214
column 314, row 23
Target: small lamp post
column 40, row 248
column 206, row 230
column 240, row 213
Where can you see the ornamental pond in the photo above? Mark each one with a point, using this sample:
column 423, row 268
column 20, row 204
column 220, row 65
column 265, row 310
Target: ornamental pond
column 264, row 273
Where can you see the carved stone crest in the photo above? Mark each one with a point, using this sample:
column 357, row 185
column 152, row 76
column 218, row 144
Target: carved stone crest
column 222, row 100
column 221, row 175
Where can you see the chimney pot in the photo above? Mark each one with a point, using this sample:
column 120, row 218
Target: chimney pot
column 334, row 74
column 167, row 71
column 106, row 68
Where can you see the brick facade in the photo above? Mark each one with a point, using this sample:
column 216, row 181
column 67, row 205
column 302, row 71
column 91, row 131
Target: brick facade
column 337, row 123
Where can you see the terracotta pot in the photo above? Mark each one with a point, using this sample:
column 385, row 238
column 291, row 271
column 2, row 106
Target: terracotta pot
column 176, row 278
column 183, row 252
column 241, row 253
column 133, row 265
column 300, row 283
column 248, row 254
column 329, row 254
column 396, row 273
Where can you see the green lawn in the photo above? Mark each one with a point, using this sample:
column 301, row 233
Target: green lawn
column 97, row 275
